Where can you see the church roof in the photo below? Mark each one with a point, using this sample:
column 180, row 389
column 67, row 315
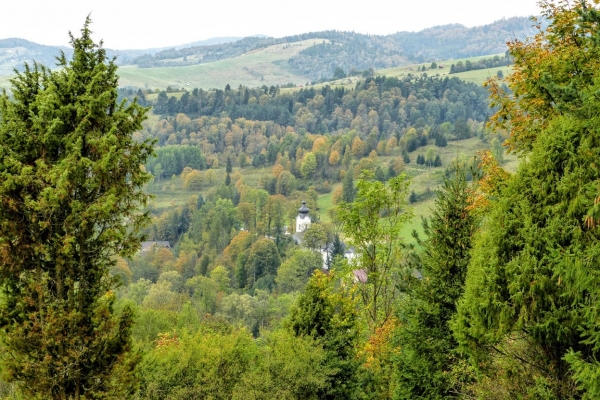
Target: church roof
column 303, row 209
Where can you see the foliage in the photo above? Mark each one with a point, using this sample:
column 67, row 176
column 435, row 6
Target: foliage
column 328, row 315
column 551, row 72
column 263, row 260
column 294, row 272
column 531, row 277
column 69, row 197
column 372, row 225
column 428, row 350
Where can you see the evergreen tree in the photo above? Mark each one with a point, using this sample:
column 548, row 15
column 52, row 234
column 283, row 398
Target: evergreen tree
column 329, row 316
column 69, row 196
column 337, row 250
column 440, row 140
column 532, row 285
column 348, row 189
column 428, row 349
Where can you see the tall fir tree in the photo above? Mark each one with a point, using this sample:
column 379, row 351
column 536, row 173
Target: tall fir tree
column 70, row 191
column 428, row 349
column 348, row 189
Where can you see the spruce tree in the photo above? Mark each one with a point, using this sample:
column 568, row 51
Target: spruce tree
column 532, row 290
column 326, row 314
column 427, row 346
column 70, row 179
column 348, row 189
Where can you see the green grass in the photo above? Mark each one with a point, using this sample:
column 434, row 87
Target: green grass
column 325, row 203
column 260, row 67
column 419, row 210
column 479, row 76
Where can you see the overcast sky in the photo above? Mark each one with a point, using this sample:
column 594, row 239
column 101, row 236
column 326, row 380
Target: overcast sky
column 126, row 24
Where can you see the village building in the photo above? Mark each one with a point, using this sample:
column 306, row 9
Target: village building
column 302, row 220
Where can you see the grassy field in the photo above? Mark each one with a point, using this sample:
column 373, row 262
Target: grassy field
column 261, row 67
column 479, row 76
column 476, row 76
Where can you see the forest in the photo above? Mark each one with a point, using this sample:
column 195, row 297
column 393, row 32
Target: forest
column 255, row 243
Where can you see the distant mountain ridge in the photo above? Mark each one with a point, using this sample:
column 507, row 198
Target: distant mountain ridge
column 14, row 52
column 334, row 50
column 356, row 51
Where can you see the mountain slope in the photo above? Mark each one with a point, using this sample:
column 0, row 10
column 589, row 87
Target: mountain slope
column 354, row 51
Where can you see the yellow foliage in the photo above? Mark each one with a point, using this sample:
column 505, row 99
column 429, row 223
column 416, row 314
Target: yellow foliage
column 334, row 157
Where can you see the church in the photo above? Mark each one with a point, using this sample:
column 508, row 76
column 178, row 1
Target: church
column 302, row 220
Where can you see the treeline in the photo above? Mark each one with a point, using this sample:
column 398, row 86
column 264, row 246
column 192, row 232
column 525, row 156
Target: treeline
column 457, row 41
column 494, row 62
column 408, row 101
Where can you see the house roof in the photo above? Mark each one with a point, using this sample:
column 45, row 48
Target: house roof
column 303, row 210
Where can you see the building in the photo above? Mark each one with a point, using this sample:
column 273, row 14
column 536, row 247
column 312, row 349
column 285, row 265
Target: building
column 302, row 220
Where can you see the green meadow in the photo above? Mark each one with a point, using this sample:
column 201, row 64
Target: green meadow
column 260, row 67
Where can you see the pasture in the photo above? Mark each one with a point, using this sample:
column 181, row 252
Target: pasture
column 260, row 67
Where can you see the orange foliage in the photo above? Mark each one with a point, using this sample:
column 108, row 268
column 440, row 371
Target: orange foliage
column 492, row 180
column 379, row 351
column 558, row 56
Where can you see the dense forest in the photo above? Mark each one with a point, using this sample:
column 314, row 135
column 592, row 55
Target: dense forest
column 245, row 288
column 258, row 127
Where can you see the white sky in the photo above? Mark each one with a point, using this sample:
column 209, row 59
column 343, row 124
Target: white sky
column 127, row 24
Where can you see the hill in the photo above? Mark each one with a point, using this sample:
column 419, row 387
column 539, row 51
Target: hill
column 350, row 51
column 256, row 68
column 14, row 52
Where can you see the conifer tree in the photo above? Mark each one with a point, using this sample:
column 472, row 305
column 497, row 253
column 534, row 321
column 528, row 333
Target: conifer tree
column 348, row 189
column 427, row 346
column 70, row 179
column 531, row 294
column 328, row 315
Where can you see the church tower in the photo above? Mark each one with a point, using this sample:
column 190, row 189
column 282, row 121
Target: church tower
column 302, row 220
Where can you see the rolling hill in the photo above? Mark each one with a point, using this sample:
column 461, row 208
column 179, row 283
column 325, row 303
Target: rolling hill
column 328, row 52
column 266, row 66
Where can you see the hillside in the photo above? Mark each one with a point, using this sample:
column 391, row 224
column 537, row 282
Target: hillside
column 255, row 68
column 14, row 52
column 351, row 51
column 332, row 53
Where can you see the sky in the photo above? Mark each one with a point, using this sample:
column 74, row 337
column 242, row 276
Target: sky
column 127, row 24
